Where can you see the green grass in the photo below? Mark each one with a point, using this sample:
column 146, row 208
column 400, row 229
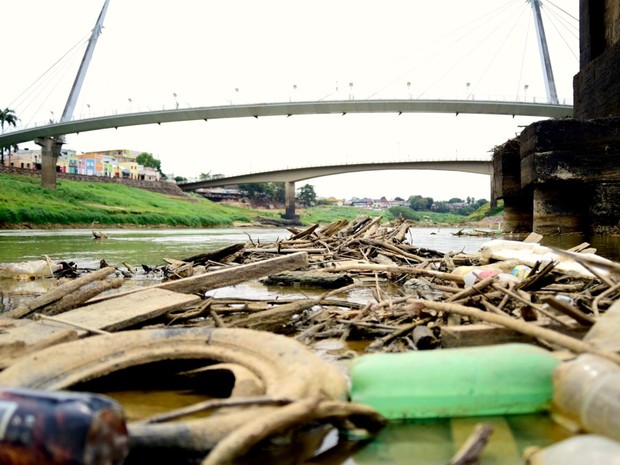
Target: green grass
column 328, row 214
column 485, row 210
column 76, row 203
column 24, row 201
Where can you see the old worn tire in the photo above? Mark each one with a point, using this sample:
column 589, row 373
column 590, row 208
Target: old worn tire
column 287, row 369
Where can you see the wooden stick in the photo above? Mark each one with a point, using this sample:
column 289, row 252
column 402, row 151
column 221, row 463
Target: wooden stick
column 477, row 288
column 69, row 323
column 213, row 404
column 570, row 343
column 524, row 301
column 470, row 451
column 378, row 343
column 570, row 310
column 395, row 269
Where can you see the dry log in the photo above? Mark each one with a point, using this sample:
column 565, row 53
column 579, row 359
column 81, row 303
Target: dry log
column 309, row 278
column 58, row 293
column 81, row 296
column 275, row 319
column 219, row 255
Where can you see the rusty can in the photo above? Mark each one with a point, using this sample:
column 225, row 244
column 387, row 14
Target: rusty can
column 61, row 428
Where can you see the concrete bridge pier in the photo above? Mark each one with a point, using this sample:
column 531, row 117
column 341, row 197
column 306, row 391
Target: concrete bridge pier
column 506, row 185
column 289, row 201
column 561, row 177
column 561, row 208
column 50, row 151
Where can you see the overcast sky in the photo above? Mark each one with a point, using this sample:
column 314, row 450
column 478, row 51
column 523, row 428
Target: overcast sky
column 241, row 51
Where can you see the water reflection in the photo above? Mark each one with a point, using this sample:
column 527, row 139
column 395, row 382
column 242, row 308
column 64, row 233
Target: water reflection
column 150, row 246
column 434, row 442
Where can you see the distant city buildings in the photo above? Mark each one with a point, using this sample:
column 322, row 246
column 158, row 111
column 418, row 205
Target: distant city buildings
column 107, row 163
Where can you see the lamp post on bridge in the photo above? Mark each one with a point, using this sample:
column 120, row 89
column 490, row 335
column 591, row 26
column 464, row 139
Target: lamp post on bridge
column 351, row 91
column 409, row 89
column 525, row 87
column 467, row 94
column 176, row 100
column 129, row 100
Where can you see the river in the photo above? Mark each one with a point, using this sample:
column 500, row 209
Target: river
column 429, row 442
column 151, row 246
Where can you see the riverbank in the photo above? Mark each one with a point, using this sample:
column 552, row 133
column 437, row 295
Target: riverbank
column 24, row 204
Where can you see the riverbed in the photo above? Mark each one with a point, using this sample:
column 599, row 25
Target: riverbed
column 427, row 442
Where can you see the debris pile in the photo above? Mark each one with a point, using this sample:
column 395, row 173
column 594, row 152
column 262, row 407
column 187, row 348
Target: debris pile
column 365, row 284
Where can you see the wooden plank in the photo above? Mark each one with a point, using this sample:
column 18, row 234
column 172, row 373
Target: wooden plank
column 236, row 274
column 479, row 335
column 228, row 276
column 128, row 310
column 20, row 337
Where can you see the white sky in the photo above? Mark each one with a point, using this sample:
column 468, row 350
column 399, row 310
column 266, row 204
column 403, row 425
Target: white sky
column 219, row 52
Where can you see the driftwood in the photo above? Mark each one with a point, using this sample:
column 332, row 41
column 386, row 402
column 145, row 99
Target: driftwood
column 81, row 296
column 309, row 279
column 365, row 252
column 275, row 318
column 58, row 293
column 220, row 255
column 470, row 451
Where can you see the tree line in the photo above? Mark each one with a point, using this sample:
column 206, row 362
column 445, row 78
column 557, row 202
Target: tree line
column 454, row 205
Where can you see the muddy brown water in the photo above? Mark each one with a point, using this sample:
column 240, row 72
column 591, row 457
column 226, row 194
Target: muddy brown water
column 421, row 442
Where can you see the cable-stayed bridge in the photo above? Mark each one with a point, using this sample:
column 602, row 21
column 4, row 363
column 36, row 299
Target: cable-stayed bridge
column 51, row 134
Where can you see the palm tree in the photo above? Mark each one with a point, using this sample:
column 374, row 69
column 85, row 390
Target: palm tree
column 6, row 116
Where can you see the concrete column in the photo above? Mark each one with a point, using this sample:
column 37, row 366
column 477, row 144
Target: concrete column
column 289, row 201
column 50, row 151
column 494, row 193
column 518, row 213
column 561, row 208
column 605, row 209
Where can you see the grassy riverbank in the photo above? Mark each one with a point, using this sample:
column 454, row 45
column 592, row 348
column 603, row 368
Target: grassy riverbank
column 24, row 203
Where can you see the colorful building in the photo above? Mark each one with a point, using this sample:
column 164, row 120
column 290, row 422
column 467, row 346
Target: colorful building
column 109, row 163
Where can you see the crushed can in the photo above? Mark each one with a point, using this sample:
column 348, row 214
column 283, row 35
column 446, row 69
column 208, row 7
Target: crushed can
column 39, row 427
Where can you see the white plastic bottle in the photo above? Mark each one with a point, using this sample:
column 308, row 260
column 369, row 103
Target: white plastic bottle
column 587, row 395
column 586, row 449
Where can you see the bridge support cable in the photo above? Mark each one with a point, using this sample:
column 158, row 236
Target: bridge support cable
column 552, row 95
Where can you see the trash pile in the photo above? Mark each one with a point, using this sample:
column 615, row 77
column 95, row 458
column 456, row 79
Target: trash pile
column 366, row 283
